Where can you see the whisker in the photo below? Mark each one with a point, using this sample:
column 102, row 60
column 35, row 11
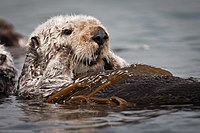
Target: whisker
column 80, row 58
column 76, row 59
column 87, row 60
column 73, row 57
column 89, row 55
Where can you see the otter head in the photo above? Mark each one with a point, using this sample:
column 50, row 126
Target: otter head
column 82, row 38
column 79, row 42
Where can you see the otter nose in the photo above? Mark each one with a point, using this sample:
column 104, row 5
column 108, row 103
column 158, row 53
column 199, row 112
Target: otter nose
column 100, row 36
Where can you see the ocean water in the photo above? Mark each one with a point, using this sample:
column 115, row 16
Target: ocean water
column 162, row 33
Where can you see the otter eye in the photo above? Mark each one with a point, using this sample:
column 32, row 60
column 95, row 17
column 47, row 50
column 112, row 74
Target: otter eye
column 67, row 31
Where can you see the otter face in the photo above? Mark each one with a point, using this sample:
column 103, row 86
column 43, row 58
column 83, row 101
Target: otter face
column 87, row 38
column 83, row 38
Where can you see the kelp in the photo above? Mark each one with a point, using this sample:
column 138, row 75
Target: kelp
column 138, row 84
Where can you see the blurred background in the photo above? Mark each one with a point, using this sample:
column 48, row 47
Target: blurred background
column 162, row 33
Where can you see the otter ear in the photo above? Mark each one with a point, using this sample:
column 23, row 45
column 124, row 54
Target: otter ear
column 107, row 64
column 34, row 42
column 2, row 58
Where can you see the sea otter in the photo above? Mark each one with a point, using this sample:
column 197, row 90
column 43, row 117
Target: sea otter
column 7, row 72
column 62, row 49
column 69, row 60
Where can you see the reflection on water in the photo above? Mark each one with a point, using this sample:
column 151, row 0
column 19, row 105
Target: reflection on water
column 27, row 116
column 163, row 33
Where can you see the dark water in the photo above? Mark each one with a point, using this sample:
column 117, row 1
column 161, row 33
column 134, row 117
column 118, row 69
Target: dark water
column 163, row 33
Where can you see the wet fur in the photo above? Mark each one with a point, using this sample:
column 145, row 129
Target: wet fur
column 7, row 72
column 54, row 59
